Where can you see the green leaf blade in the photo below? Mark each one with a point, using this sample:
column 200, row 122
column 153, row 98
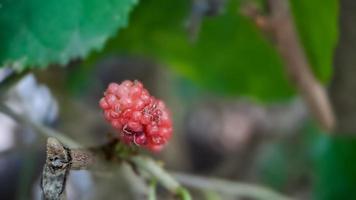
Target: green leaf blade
column 37, row 33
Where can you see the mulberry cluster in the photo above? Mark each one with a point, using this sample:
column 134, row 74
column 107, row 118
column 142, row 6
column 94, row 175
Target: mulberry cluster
column 140, row 118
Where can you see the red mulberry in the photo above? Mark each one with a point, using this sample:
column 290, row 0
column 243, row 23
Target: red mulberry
column 140, row 118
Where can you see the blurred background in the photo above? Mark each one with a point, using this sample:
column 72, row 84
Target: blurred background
column 261, row 91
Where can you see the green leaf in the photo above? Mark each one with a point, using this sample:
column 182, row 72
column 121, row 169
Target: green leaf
column 36, row 33
column 333, row 163
column 335, row 168
column 318, row 30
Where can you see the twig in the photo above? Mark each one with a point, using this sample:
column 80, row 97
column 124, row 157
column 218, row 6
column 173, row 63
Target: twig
column 253, row 12
column 228, row 187
column 43, row 130
column 160, row 175
column 152, row 190
column 137, row 184
column 280, row 24
column 55, row 170
column 61, row 159
column 71, row 156
column 85, row 159
column 211, row 195
column 297, row 65
column 156, row 171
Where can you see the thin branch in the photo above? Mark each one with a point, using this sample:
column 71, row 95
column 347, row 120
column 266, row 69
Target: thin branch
column 228, row 187
column 297, row 64
column 281, row 25
column 156, row 171
column 152, row 190
column 55, row 170
column 43, row 130
column 65, row 159
column 86, row 158
column 161, row 175
column 252, row 11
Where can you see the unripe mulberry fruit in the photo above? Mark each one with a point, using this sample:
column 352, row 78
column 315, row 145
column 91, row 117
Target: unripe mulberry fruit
column 140, row 118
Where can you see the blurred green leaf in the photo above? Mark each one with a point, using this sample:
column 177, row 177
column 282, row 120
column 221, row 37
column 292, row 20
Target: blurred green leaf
column 231, row 55
column 317, row 22
column 334, row 164
column 286, row 162
column 274, row 166
column 335, row 174
column 329, row 160
column 35, row 33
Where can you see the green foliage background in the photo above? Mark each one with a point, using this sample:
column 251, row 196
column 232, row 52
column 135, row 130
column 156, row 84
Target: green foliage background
column 230, row 57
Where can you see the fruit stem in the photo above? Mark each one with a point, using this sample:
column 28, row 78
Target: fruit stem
column 163, row 177
column 152, row 190
column 228, row 187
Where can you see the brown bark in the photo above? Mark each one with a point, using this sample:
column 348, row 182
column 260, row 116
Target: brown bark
column 343, row 85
